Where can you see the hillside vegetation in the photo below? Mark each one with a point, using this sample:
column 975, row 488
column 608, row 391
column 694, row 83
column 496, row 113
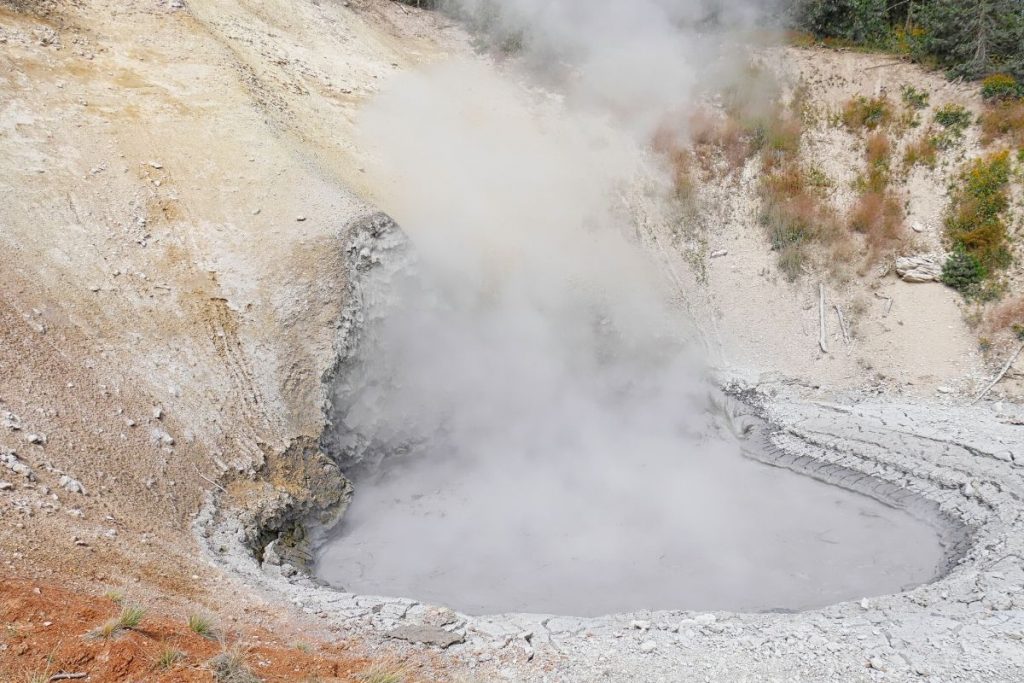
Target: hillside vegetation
column 970, row 39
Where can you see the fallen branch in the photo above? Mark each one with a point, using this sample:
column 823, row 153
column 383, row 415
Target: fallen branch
column 822, row 337
column 208, row 479
column 1006, row 368
column 882, row 66
column 888, row 303
column 67, row 677
column 842, row 324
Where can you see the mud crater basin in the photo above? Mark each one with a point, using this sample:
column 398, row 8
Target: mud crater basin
column 705, row 528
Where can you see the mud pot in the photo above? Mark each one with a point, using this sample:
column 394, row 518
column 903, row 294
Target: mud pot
column 742, row 536
column 583, row 495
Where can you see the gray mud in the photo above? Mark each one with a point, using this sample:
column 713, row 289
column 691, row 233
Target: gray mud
column 744, row 536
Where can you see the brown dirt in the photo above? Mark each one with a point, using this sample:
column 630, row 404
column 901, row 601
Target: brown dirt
column 47, row 630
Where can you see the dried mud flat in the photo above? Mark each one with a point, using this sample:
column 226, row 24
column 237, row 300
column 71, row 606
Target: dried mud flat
column 181, row 194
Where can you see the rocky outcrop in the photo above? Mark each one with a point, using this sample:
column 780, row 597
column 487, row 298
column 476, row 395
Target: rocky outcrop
column 920, row 268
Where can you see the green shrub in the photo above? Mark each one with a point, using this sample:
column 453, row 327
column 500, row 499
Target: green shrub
column 974, row 221
column 1000, row 87
column 954, row 118
column 961, row 271
column 914, row 98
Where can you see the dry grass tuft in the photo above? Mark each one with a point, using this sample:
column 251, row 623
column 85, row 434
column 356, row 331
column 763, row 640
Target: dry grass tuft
column 385, row 672
column 201, row 625
column 879, row 217
column 1008, row 316
column 862, row 113
column 923, row 151
column 1004, row 120
column 167, row 658
column 231, row 666
column 130, row 617
column 794, row 215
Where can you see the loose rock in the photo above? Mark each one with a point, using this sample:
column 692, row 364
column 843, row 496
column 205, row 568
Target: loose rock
column 921, row 268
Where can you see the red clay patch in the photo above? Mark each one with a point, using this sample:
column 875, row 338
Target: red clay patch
column 47, row 631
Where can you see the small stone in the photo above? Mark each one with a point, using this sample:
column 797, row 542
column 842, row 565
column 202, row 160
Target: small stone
column 37, row 439
column 10, row 420
column 300, row 218
column 719, row 253
column 878, row 664
column 256, row 212
column 158, row 412
column 864, row 603
column 156, row 164
column 6, row 486
column 9, row 460
column 640, row 625
column 72, row 485
column 161, row 437
column 648, row 646
column 110, row 533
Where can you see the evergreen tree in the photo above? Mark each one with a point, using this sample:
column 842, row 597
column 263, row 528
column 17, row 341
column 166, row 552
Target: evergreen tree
column 974, row 38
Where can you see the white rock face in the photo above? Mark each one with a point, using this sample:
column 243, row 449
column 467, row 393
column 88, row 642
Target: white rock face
column 920, row 268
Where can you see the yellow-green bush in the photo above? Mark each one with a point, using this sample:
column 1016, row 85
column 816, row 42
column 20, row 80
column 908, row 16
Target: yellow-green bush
column 974, row 222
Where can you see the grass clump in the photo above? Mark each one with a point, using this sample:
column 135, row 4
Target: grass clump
column 130, row 618
column 1008, row 317
column 167, row 658
column 231, row 666
column 866, row 113
column 914, row 98
column 878, row 152
column 974, row 222
column 201, row 625
column 924, row 151
column 115, row 596
column 793, row 215
column 384, row 672
column 1001, row 87
column 877, row 213
column 954, row 118
column 1004, row 120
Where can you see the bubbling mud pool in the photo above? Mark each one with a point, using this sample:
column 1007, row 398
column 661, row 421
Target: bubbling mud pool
column 710, row 530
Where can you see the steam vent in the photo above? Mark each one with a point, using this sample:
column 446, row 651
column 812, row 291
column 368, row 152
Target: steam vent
column 464, row 341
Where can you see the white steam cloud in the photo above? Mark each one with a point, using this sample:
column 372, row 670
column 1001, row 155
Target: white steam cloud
column 548, row 430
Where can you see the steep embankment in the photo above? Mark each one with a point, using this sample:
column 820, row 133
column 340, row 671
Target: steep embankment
column 176, row 181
